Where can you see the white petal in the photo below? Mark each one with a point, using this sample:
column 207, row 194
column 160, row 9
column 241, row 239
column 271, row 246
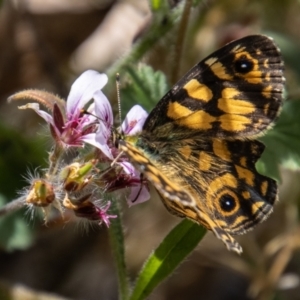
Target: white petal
column 48, row 118
column 83, row 90
column 36, row 107
column 98, row 143
column 103, row 109
column 134, row 120
column 101, row 139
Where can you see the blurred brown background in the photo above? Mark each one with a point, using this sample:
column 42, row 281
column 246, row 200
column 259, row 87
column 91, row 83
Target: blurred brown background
column 46, row 44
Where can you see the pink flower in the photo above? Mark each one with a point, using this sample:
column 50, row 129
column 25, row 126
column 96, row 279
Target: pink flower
column 70, row 125
column 134, row 120
column 93, row 212
column 86, row 117
column 139, row 191
column 103, row 216
column 130, row 177
column 133, row 124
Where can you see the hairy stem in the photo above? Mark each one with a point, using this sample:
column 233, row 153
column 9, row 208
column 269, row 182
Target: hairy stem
column 12, row 206
column 117, row 245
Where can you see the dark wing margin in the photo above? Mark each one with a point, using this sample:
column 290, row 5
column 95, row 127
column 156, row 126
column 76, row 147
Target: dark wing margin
column 235, row 91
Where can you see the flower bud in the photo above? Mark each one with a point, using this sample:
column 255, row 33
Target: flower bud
column 41, row 193
column 76, row 176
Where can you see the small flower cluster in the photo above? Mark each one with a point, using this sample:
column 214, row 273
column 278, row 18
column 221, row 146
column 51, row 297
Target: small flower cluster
column 84, row 166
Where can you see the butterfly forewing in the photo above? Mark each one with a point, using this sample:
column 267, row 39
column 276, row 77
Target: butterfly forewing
column 235, row 92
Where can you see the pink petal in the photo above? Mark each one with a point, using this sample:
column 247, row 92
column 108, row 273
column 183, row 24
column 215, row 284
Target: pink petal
column 129, row 168
column 104, row 216
column 144, row 195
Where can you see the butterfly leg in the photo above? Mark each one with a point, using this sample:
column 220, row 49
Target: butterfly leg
column 116, row 158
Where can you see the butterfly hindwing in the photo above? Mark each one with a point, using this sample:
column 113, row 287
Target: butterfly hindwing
column 176, row 200
column 239, row 195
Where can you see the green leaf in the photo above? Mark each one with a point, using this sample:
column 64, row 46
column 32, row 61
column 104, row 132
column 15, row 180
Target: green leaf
column 289, row 49
column 146, row 87
column 18, row 154
column 169, row 254
column 197, row 2
column 157, row 5
column 282, row 142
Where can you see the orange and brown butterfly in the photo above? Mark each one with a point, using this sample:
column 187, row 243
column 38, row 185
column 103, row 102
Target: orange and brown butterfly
column 198, row 145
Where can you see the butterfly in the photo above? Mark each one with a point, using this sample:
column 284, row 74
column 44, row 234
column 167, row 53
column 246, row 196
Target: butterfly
column 198, row 146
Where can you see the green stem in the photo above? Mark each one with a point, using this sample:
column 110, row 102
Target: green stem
column 162, row 23
column 180, row 40
column 54, row 159
column 117, row 245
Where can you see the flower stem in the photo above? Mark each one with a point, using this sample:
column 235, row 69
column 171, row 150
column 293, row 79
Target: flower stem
column 54, row 159
column 117, row 244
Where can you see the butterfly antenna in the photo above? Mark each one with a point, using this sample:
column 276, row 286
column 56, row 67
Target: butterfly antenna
column 84, row 111
column 118, row 96
column 140, row 189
